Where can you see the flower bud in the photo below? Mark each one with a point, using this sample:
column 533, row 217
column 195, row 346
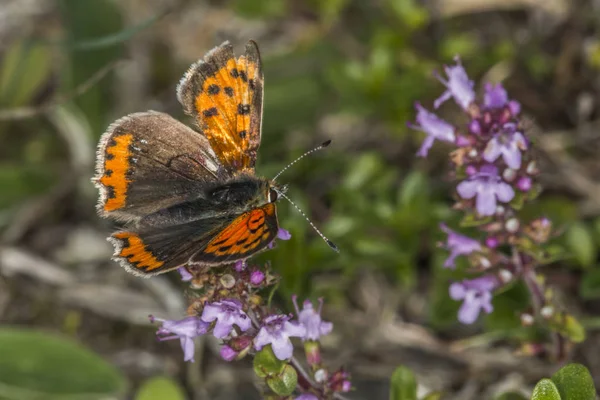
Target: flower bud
column 527, row 319
column 227, row 353
column 512, row 225
column 227, row 281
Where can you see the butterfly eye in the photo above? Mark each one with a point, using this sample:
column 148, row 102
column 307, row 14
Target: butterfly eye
column 272, row 195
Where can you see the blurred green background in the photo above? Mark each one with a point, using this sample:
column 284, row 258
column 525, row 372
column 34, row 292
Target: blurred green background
column 75, row 324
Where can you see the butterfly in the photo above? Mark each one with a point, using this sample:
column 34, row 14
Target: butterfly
column 191, row 197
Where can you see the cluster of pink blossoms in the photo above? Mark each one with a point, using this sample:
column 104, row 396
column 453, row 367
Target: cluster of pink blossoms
column 495, row 172
column 231, row 309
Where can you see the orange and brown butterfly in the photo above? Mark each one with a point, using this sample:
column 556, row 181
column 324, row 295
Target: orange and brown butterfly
column 191, row 197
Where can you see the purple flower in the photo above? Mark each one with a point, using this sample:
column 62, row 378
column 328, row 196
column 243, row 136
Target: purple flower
column 507, row 143
column 240, row 265
column 283, row 234
column 495, row 96
column 227, row 313
column 476, row 295
column 524, row 184
column 488, row 186
column 311, row 320
column 276, row 331
column 459, row 86
column 434, row 127
column 185, row 330
column 227, row 353
column 256, row 277
column 185, row 274
column 458, row 245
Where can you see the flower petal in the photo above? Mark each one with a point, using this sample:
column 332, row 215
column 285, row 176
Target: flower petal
column 294, row 329
column 486, row 201
column 325, row 328
column 504, row 192
column 262, row 339
column 425, row 146
column 512, row 155
column 495, row 96
column 283, row 348
column 283, row 234
column 492, row 150
column 442, row 99
column 457, row 291
column 467, row 189
column 222, row 328
column 468, row 312
column 210, row 312
column 243, row 322
column 187, row 344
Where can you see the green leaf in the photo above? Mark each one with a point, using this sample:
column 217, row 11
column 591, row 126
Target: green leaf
column 36, row 365
column 568, row 326
column 285, row 382
column 511, row 396
column 160, row 388
column 414, row 188
column 433, row 396
column 590, row 284
column 25, row 68
column 403, row 385
column 545, row 390
column 518, row 201
column 472, row 220
column 266, row 363
column 574, row 382
column 581, row 244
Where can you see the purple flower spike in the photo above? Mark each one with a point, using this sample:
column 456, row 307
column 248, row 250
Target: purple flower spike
column 459, row 86
column 459, row 245
column 476, row 295
column 185, row 330
column 488, row 186
column 185, row 274
column 311, row 320
column 227, row 313
column 495, row 96
column 507, row 143
column 434, row 127
column 276, row 331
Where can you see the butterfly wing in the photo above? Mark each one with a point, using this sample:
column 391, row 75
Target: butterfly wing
column 149, row 161
column 225, row 95
column 152, row 250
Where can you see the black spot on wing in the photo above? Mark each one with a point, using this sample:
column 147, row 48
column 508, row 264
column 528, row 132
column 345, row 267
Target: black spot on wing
column 211, row 112
column 243, row 109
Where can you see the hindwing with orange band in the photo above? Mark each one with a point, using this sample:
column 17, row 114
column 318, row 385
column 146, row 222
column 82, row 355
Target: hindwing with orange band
column 247, row 234
column 225, row 95
column 152, row 250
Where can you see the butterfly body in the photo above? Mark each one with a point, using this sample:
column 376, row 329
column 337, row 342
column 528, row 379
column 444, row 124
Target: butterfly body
column 191, row 197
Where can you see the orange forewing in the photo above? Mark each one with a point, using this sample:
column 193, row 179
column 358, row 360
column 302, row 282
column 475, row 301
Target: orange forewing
column 244, row 234
column 225, row 95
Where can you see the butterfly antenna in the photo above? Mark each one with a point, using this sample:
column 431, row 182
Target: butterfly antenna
column 329, row 242
column 320, row 147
